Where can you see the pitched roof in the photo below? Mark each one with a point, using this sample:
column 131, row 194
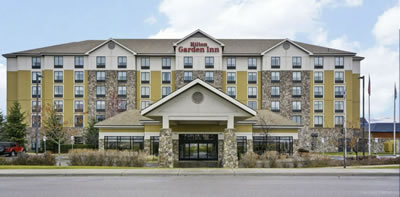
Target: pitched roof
column 269, row 118
column 382, row 127
column 124, row 119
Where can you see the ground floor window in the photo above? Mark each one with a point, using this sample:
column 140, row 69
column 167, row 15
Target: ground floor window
column 134, row 143
column 241, row 145
column 281, row 144
column 198, row 147
column 154, row 145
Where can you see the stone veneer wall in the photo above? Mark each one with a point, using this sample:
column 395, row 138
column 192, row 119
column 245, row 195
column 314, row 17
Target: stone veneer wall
column 166, row 153
column 179, row 82
column 230, row 157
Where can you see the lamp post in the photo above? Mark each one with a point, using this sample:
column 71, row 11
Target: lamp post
column 44, row 143
column 363, row 111
column 73, row 141
column 38, row 76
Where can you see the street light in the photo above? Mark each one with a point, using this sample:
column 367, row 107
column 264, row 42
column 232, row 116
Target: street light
column 44, row 143
column 38, row 76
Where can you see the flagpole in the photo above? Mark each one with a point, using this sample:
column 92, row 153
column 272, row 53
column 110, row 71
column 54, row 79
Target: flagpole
column 394, row 120
column 369, row 115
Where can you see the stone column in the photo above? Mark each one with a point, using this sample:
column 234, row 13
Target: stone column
column 101, row 144
column 166, row 154
column 146, row 147
column 230, row 158
column 249, row 145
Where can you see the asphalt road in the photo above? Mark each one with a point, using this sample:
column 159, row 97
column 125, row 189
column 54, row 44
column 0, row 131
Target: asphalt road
column 199, row 186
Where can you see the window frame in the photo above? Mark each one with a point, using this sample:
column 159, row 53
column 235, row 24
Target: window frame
column 209, row 62
column 57, row 60
column 122, row 61
column 79, row 61
column 188, row 62
column 295, row 63
column 275, row 62
column 100, row 61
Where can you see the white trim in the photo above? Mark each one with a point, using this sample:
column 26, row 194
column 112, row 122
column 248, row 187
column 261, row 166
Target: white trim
column 288, row 40
column 105, row 42
column 120, row 126
column 103, row 134
column 147, row 135
column 198, row 31
column 205, row 85
column 294, row 135
column 175, row 135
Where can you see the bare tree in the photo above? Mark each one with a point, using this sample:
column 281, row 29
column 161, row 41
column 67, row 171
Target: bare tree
column 113, row 105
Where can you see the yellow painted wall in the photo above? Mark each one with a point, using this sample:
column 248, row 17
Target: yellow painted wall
column 244, row 128
column 328, row 99
column 69, row 98
column 173, row 81
column 356, row 101
column 120, row 130
column 47, row 92
column 152, row 128
column 276, row 130
column 241, row 86
column 12, row 85
column 24, row 96
column 155, row 86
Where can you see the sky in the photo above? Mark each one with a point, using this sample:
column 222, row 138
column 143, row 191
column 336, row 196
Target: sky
column 368, row 27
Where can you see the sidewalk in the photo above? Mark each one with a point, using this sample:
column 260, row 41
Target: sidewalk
column 202, row 172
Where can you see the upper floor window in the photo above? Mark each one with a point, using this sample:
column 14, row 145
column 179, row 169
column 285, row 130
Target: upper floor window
column 318, row 62
column 339, row 106
column 166, row 63
column 275, row 77
column 36, row 108
column 122, row 105
column 78, row 106
column 121, row 91
column 296, row 106
column 275, row 91
column 79, row 91
column 100, row 118
column 339, row 77
column 188, row 62
column 297, row 119
column 36, row 62
column 58, row 91
column 100, row 91
column 122, row 61
column 318, row 77
column 275, row 106
column 36, row 120
column 100, row 76
column 144, row 104
column 231, row 77
column 275, row 62
column 78, row 76
column 252, row 92
column 231, row 63
column 296, row 62
column 145, row 63
column 252, row 77
column 166, row 77
column 339, row 62
column 78, row 121
column 296, row 76
column 101, row 61
column 318, row 91
column 100, row 106
column 231, row 91
column 78, row 61
column 145, row 77
column 209, row 62
column 35, row 78
column 339, row 91
column 58, row 62
column 252, row 63
column 165, row 91
column 318, row 121
column 121, row 76
column 209, row 76
column 58, row 105
column 252, row 104
column 187, row 76
column 296, row 91
column 58, row 76
column 339, row 121
column 36, row 91
column 318, row 106
column 145, row 92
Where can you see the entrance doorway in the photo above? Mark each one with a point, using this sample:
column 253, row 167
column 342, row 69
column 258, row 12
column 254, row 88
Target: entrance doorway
column 198, row 147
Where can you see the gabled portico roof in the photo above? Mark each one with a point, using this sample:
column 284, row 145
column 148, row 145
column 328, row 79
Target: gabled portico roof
column 206, row 86
column 201, row 32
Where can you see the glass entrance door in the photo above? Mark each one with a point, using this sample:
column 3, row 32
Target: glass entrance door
column 198, row 147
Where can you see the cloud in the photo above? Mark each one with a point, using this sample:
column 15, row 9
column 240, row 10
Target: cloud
column 3, row 87
column 353, row 3
column 386, row 29
column 150, row 20
column 320, row 37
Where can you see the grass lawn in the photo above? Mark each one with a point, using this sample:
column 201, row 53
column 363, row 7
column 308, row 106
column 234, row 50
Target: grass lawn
column 5, row 167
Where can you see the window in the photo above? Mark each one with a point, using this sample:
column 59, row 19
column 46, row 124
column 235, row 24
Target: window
column 209, row 77
column 78, row 61
column 275, row 62
column 166, row 63
column 78, row 76
column 145, row 63
column 36, row 92
column 296, row 91
column 296, row 106
column 78, row 106
column 318, row 106
column 187, row 62
column 122, row 61
column 252, row 77
column 339, row 106
column 318, row 121
column 36, row 62
column 58, row 91
column 241, row 145
column 145, row 77
column 275, row 106
column 280, row 144
column 121, row 91
column 296, row 76
column 145, row 92
column 100, row 118
column 275, row 91
column 296, row 62
column 339, row 121
column 297, row 119
column 231, row 77
column 339, row 77
column 35, row 77
column 78, row 121
column 100, row 76
column 154, row 145
column 231, row 63
column 339, row 62
column 165, row 91
column 121, row 76
column 231, row 92
column 252, row 92
column 339, row 91
column 318, row 62
column 58, row 76
column 166, row 77
column 275, row 77
column 101, row 61
column 318, row 77
column 134, row 143
column 252, row 105
column 78, row 91
column 58, row 62
column 58, row 105
column 144, row 104
column 187, row 77
column 100, row 106
column 36, row 108
column 318, row 91
column 122, row 105
column 209, row 62
column 100, row 91
column 252, row 63
column 36, row 121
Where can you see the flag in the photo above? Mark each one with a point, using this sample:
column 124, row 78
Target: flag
column 369, row 85
column 395, row 92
